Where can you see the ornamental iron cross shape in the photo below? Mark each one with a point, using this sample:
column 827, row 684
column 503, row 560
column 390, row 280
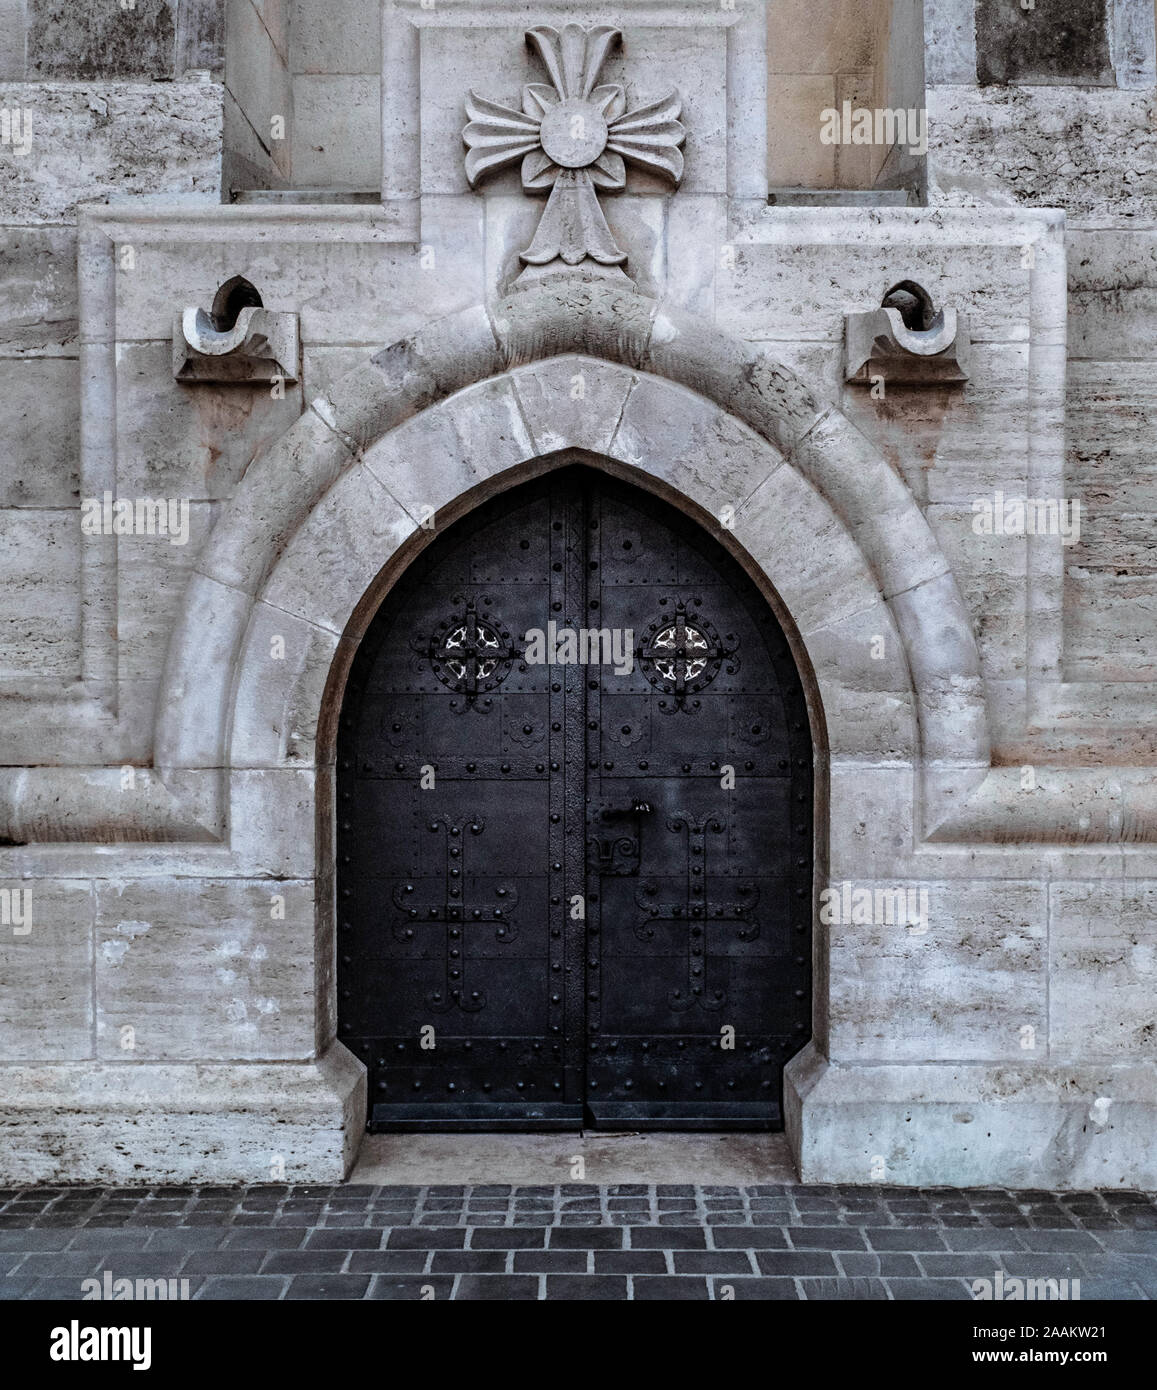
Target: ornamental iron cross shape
column 574, row 138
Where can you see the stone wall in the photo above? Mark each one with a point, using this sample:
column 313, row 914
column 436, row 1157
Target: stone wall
column 163, row 783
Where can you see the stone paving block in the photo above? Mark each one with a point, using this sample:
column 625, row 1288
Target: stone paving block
column 795, row 1262
column 761, row 1289
column 506, row 1287
column 592, row 1238
column 670, row 1289
column 668, row 1238
column 245, row 1288
column 585, row 1287
column 385, row 1287
column 558, row 1261
column 327, row 1286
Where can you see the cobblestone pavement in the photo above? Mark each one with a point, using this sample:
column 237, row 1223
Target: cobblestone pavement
column 632, row 1241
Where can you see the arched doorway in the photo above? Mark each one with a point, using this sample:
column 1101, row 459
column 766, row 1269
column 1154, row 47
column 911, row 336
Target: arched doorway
column 575, row 827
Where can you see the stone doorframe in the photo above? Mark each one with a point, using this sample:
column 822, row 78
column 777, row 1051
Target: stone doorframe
column 323, row 524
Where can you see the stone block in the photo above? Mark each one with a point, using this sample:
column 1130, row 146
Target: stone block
column 202, row 969
column 320, row 42
column 1072, row 49
column 38, row 291
column 39, row 457
column 865, row 688
column 152, row 575
column 40, row 577
column 802, row 289
column 1089, row 150
column 136, row 138
column 1103, row 943
column 279, row 699
column 46, row 971
column 273, row 823
column 87, row 42
column 821, row 576
column 118, row 1124
column 684, row 440
column 351, row 549
column 337, row 131
column 198, row 441
column 963, row 984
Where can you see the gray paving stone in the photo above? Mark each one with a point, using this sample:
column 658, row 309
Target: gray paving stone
column 556, row 1261
column 673, row 1288
column 825, row 1238
column 594, row 1237
column 497, row 1286
column 385, row 1261
column 845, row 1289
column 905, row 1240
column 508, row 1238
column 955, row 1289
column 586, row 1287
column 426, row 1238
column 668, row 1238
column 725, row 1290
column 246, row 1288
column 321, row 1287
column 386, row 1287
column 795, row 1262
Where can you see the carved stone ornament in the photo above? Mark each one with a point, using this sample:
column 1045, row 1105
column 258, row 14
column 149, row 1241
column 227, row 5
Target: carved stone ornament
column 574, row 139
column 907, row 341
column 237, row 341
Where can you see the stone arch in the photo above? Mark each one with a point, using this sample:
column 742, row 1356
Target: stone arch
column 429, row 422
column 322, row 525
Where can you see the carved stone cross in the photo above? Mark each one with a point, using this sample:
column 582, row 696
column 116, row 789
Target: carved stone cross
column 574, row 139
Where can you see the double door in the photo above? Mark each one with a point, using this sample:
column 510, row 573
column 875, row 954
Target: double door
column 574, row 840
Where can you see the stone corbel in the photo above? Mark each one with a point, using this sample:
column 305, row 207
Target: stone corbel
column 906, row 341
column 238, row 341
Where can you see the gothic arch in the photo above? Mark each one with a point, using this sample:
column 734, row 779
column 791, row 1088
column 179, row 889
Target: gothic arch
column 475, row 402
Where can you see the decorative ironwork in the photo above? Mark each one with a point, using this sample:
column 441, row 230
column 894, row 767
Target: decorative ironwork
column 449, row 906
column 470, row 653
column 697, row 908
column 683, row 654
column 574, row 139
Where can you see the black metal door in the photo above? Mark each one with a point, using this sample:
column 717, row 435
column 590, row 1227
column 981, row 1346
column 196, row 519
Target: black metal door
column 575, row 827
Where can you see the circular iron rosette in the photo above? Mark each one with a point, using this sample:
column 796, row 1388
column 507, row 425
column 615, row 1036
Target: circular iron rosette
column 682, row 653
column 471, row 652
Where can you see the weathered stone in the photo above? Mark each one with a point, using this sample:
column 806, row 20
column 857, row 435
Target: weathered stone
column 45, row 971
column 80, row 42
column 1073, row 47
column 204, row 970
column 119, row 126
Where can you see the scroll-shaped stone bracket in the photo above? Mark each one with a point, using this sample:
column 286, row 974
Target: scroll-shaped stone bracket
column 237, row 341
column 907, row 341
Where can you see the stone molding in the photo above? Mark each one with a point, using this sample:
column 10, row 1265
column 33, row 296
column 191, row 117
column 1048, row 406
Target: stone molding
column 500, row 381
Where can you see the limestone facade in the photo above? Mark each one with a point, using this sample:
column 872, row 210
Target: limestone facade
column 983, row 700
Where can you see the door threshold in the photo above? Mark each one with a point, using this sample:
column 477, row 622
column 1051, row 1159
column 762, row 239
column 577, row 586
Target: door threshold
column 468, row 1159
